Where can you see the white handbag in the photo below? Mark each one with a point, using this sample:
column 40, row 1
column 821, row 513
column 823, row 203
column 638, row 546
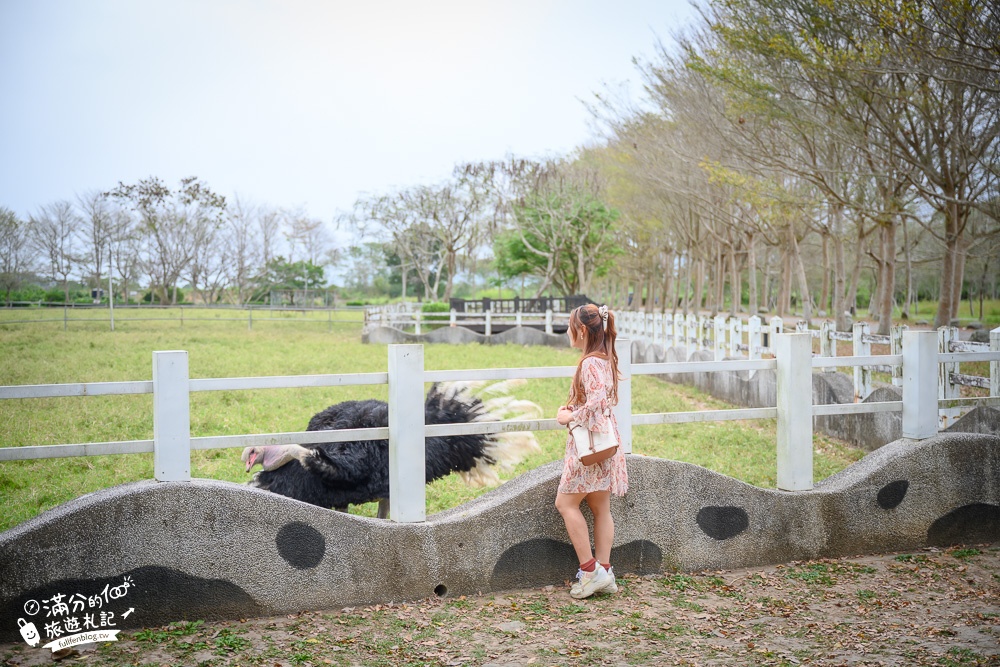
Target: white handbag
column 593, row 446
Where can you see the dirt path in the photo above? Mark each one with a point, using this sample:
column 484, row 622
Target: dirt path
column 932, row 607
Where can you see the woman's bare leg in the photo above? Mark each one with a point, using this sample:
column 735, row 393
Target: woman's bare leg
column 604, row 524
column 568, row 505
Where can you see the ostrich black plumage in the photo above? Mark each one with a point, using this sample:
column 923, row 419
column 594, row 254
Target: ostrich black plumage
column 338, row 474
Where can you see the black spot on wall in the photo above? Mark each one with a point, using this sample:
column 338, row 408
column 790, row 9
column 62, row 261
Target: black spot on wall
column 969, row 524
column 544, row 561
column 637, row 557
column 301, row 545
column 721, row 523
column 892, row 494
column 159, row 596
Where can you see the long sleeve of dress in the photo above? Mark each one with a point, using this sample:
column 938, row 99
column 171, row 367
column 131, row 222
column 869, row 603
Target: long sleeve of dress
column 594, row 414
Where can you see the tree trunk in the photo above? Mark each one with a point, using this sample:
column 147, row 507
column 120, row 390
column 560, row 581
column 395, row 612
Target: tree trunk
column 803, row 281
column 909, row 272
column 785, row 295
column 840, row 307
column 947, row 308
column 959, row 278
column 751, row 275
column 887, row 278
column 699, row 286
column 735, row 284
column 667, row 276
column 824, row 301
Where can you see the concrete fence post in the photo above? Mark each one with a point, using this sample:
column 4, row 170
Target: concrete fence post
column 945, row 388
column 418, row 317
column 650, row 327
column 719, row 337
column 407, row 459
column 862, row 374
column 171, row 417
column 827, row 344
column 658, row 330
column 920, row 413
column 623, row 411
column 489, row 321
column 735, row 337
column 995, row 365
column 692, row 334
column 896, row 347
column 793, row 353
column 453, row 318
column 754, row 337
column 548, row 320
column 678, row 340
column 517, row 319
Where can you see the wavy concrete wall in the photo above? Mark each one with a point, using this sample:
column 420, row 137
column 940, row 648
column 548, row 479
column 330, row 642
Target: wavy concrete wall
column 208, row 549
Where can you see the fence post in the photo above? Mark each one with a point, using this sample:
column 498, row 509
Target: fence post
column 827, row 344
column 171, row 417
column 548, row 320
column 775, row 326
column 418, row 317
column 753, row 337
column 693, row 339
column 517, row 319
column 945, row 388
column 896, row 347
column 407, row 458
column 489, row 321
column 995, row 365
column 111, row 294
column 678, row 339
column 862, row 374
column 793, row 353
column 920, row 413
column 452, row 319
column 658, row 330
column 623, row 411
column 719, row 337
column 735, row 337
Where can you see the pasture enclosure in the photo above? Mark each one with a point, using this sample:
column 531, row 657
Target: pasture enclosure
column 171, row 388
column 40, row 355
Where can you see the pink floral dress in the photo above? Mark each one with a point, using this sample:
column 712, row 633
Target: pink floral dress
column 596, row 415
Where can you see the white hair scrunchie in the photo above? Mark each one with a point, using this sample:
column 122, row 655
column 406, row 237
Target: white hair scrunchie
column 603, row 312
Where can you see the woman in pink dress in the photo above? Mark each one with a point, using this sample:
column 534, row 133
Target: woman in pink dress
column 593, row 393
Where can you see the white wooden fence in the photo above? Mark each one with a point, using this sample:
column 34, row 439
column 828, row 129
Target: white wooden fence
column 171, row 387
column 404, row 316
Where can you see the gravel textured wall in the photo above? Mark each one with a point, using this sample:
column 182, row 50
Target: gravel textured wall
column 207, row 549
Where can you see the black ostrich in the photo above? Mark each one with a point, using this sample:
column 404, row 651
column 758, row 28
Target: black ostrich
column 337, row 474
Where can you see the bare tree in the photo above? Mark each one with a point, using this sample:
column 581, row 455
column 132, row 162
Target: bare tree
column 94, row 234
column 17, row 254
column 54, row 229
column 170, row 223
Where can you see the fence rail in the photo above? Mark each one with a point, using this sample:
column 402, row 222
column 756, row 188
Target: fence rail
column 171, row 387
column 111, row 316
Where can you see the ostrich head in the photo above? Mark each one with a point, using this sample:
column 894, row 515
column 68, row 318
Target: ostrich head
column 270, row 457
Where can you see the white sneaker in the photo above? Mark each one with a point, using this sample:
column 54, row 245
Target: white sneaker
column 612, row 586
column 589, row 583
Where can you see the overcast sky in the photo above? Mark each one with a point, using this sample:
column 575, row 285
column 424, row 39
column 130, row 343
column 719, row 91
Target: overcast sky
column 301, row 103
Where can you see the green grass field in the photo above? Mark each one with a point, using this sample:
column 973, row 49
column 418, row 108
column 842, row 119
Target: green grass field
column 89, row 352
